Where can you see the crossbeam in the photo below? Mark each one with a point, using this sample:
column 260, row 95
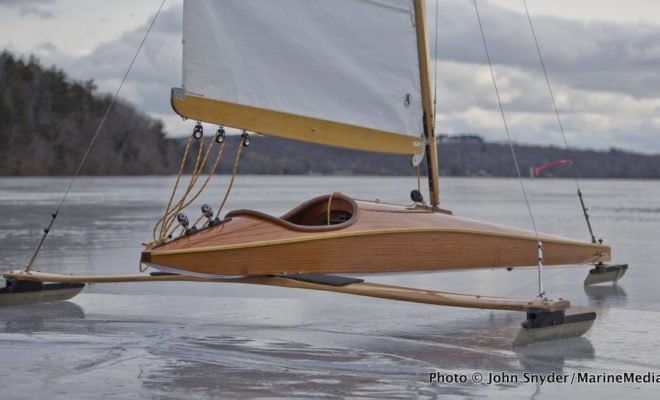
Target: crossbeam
column 367, row 289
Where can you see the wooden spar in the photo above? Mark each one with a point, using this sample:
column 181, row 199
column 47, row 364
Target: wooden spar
column 427, row 105
column 291, row 126
column 390, row 292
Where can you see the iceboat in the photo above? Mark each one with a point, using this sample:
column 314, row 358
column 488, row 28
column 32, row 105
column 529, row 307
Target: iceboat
column 375, row 96
column 337, row 234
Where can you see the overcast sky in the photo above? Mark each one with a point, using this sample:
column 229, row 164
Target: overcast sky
column 603, row 58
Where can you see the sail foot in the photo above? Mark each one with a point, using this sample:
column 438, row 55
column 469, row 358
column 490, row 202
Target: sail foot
column 292, row 126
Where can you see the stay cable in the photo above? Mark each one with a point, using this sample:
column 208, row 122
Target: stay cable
column 91, row 143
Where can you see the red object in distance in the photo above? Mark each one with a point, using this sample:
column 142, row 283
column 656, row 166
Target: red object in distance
column 537, row 170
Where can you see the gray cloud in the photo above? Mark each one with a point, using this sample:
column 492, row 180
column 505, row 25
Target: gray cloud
column 31, row 7
column 37, row 12
column 593, row 56
column 11, row 3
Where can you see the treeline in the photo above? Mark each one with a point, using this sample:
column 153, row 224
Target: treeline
column 46, row 122
column 458, row 156
column 495, row 159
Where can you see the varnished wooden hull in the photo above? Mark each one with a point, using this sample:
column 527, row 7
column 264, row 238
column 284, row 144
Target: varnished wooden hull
column 379, row 238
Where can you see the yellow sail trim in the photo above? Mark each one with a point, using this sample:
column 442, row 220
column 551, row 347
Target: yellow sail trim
column 293, row 126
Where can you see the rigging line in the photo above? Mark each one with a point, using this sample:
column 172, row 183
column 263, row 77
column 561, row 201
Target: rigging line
column 208, row 178
column 91, row 143
column 210, row 174
column 559, row 123
column 173, row 214
column 547, row 81
column 231, row 183
column 178, row 51
column 197, row 170
column 435, row 66
column 513, row 151
column 241, row 144
column 547, row 278
column 174, row 189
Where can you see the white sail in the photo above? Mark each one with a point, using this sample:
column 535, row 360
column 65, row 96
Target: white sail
column 340, row 72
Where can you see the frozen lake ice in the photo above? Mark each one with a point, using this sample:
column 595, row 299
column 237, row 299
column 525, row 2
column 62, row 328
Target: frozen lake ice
column 199, row 341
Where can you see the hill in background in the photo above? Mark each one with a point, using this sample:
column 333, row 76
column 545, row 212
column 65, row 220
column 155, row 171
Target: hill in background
column 47, row 121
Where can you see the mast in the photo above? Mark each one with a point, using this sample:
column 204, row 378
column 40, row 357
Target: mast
column 427, row 104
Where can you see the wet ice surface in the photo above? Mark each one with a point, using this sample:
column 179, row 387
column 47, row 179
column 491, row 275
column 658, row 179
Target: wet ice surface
column 198, row 341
